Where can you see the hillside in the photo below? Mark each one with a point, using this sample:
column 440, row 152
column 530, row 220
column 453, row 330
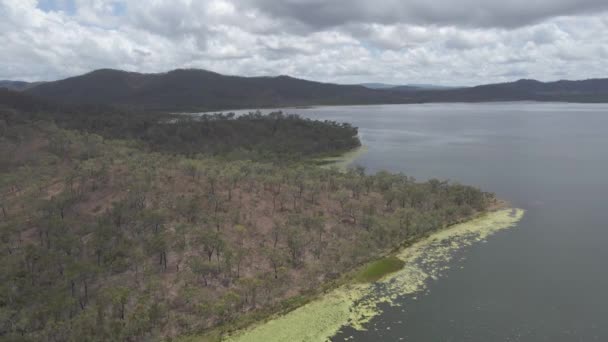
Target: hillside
column 21, row 101
column 14, row 85
column 131, row 239
column 594, row 90
column 18, row 85
column 253, row 136
column 202, row 90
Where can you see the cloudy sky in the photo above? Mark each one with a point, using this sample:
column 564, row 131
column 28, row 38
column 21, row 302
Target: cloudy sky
column 446, row 42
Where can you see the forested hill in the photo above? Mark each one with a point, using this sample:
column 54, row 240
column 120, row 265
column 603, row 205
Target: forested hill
column 19, row 101
column 134, row 226
column 200, row 90
column 16, row 85
column 593, row 90
column 101, row 240
column 276, row 136
column 203, row 90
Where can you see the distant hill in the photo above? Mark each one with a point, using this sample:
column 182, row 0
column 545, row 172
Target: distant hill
column 593, row 90
column 199, row 90
column 407, row 87
column 379, row 85
column 203, row 90
column 17, row 85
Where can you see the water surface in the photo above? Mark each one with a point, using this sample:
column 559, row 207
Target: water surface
column 544, row 280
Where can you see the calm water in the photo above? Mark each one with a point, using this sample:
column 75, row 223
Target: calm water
column 547, row 279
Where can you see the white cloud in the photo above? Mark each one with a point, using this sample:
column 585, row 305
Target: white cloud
column 364, row 42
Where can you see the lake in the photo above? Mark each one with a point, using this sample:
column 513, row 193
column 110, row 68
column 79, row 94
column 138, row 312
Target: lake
column 546, row 279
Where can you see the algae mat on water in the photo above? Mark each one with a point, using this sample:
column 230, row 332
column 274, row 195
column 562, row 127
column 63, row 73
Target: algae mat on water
column 354, row 305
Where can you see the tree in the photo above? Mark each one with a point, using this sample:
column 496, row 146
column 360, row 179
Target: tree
column 296, row 242
column 207, row 239
column 192, row 169
column 276, row 259
column 277, row 231
column 158, row 244
column 179, row 244
column 203, row 269
column 275, row 185
column 250, row 287
column 119, row 297
column 405, row 218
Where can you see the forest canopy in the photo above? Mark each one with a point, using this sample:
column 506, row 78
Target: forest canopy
column 275, row 136
column 118, row 228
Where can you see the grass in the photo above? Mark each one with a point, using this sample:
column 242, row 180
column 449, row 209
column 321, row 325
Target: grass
column 378, row 269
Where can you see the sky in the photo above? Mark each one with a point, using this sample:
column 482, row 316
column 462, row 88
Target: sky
column 446, row 42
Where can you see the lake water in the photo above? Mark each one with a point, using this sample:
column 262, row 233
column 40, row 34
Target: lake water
column 546, row 279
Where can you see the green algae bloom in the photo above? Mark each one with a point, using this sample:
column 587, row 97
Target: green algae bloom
column 343, row 161
column 374, row 271
column 355, row 305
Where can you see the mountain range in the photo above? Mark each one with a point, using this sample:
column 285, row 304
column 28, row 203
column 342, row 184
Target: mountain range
column 199, row 90
column 17, row 85
column 202, row 90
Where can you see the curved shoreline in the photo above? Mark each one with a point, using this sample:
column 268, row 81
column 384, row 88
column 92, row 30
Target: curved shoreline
column 356, row 304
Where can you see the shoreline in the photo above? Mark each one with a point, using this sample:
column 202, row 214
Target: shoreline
column 339, row 294
column 346, row 302
column 313, row 106
column 343, row 161
column 355, row 305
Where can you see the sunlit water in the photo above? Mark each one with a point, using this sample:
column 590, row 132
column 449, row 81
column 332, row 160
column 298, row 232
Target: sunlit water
column 545, row 280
